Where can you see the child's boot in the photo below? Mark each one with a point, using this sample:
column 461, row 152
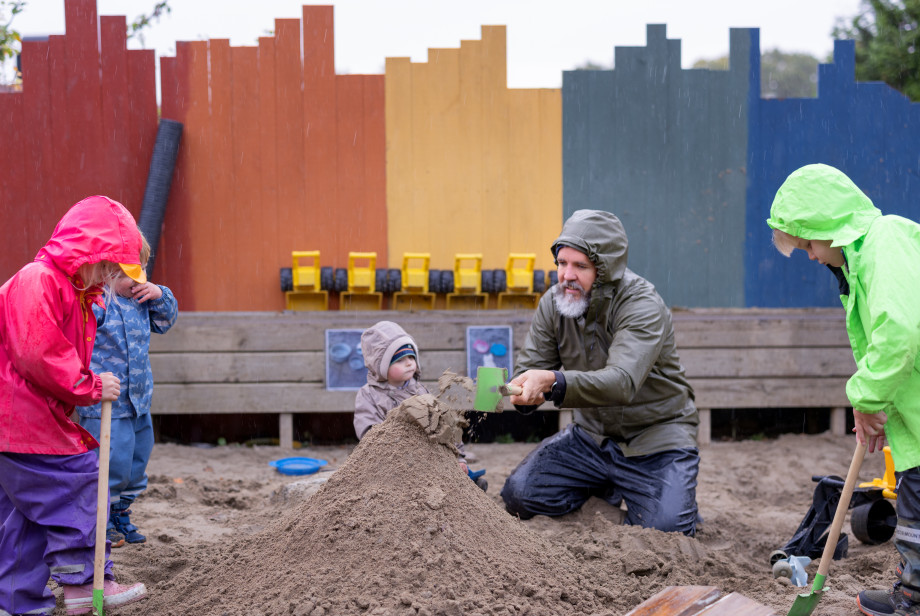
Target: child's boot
column 121, row 518
column 79, row 599
column 898, row 601
column 115, row 538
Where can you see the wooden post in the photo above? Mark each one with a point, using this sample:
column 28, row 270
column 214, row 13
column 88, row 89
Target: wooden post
column 286, row 430
column 704, row 436
column 838, row 421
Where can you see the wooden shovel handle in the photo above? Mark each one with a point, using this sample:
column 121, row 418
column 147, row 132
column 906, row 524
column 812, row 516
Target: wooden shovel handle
column 842, row 506
column 511, row 390
column 102, row 494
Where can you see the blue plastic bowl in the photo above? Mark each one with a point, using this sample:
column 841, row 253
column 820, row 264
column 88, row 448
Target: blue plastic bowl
column 298, row 466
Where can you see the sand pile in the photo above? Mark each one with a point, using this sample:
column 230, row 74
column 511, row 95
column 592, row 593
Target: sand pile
column 399, row 529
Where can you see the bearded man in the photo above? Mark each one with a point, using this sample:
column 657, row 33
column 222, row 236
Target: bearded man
column 601, row 342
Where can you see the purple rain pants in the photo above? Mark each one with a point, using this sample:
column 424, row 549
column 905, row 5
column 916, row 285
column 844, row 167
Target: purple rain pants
column 47, row 527
column 567, row 468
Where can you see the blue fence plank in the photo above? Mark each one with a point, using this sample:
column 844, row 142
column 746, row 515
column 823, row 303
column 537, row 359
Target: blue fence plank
column 868, row 130
column 665, row 150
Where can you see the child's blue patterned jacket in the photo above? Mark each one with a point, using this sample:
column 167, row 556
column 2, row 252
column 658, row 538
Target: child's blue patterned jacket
column 122, row 348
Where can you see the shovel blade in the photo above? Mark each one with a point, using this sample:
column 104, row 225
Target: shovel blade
column 489, row 382
column 805, row 603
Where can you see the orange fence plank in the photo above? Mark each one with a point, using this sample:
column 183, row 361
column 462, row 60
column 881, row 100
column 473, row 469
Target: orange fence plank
column 375, row 175
column 272, row 253
column 350, row 169
column 227, row 220
column 254, row 279
column 324, row 223
column 291, row 214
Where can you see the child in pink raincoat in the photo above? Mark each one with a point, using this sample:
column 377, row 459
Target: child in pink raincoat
column 48, row 471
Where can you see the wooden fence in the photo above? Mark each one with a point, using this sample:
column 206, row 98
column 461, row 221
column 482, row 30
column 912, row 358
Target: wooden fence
column 83, row 124
column 233, row 363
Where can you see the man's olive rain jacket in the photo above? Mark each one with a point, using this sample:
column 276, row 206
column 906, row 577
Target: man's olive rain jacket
column 623, row 376
column 882, row 269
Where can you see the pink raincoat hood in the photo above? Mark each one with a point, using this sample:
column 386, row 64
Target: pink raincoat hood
column 93, row 230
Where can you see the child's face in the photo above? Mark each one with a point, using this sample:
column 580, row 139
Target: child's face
column 402, row 370
column 122, row 286
column 821, row 251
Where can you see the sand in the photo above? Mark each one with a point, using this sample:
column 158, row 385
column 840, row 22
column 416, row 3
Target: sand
column 393, row 527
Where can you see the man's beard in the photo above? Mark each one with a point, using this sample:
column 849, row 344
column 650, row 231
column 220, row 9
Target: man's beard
column 568, row 306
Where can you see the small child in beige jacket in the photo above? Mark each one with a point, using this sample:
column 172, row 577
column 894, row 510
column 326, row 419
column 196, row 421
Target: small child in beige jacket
column 393, row 376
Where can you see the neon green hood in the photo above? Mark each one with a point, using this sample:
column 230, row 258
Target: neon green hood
column 818, row 202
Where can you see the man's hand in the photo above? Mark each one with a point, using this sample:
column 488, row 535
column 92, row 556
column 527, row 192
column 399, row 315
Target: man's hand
column 870, row 429
column 534, row 383
column 111, row 387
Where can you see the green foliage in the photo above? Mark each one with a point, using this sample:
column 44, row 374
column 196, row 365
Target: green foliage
column 887, row 43
column 782, row 75
column 10, row 40
column 136, row 28
column 788, row 75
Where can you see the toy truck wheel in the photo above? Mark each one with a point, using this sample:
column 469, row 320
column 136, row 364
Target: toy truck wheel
column 287, row 279
column 341, row 280
column 447, row 281
column 326, row 279
column 777, row 556
column 782, row 568
column 553, row 277
column 488, row 278
column 434, row 281
column 874, row 523
column 539, row 281
column 500, row 282
column 394, row 280
column 380, row 280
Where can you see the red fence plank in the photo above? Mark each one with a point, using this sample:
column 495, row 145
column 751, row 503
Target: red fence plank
column 142, row 122
column 13, row 183
column 83, row 146
column 40, row 188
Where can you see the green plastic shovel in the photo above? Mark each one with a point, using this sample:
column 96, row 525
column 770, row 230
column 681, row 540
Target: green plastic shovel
column 805, row 603
column 491, row 387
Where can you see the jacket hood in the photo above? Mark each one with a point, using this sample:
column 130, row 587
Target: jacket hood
column 95, row 229
column 599, row 235
column 378, row 344
column 818, row 202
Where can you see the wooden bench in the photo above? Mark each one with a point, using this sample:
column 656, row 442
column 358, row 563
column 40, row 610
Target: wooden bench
column 267, row 362
column 765, row 358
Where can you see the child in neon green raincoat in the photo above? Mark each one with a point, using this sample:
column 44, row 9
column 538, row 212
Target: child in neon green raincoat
column 876, row 258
